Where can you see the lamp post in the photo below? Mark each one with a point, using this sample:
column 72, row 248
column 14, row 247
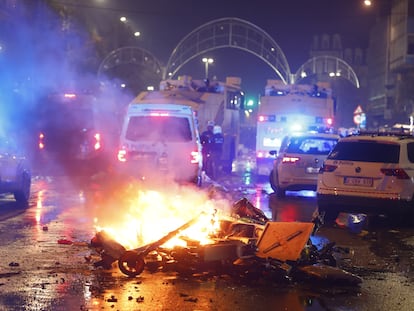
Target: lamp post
column 206, row 62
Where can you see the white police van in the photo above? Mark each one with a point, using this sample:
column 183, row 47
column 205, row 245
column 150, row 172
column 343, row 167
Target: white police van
column 159, row 142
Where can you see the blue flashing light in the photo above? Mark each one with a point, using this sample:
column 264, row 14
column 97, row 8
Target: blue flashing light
column 267, row 118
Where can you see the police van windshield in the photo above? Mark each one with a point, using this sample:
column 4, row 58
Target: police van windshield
column 169, row 129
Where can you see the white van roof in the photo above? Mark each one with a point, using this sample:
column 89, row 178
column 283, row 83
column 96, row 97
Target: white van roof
column 158, row 108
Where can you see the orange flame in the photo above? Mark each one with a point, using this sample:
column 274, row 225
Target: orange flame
column 151, row 215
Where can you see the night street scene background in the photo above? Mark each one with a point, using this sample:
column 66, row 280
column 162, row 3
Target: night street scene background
column 92, row 238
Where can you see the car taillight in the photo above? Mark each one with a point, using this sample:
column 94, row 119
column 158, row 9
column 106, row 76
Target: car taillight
column 122, row 155
column 290, row 159
column 97, row 145
column 195, row 157
column 326, row 168
column 329, row 121
column 396, row 172
column 41, row 143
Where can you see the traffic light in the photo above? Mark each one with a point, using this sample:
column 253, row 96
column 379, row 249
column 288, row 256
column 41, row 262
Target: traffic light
column 250, row 105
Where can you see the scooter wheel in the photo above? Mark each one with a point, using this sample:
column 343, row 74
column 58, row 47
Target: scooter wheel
column 131, row 264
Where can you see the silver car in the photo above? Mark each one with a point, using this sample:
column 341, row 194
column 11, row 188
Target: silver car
column 15, row 174
column 297, row 164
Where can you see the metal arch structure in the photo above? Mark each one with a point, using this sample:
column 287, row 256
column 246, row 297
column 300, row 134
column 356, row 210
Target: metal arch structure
column 229, row 32
column 327, row 65
column 130, row 55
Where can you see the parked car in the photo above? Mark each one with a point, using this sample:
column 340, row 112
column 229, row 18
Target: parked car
column 368, row 174
column 297, row 164
column 15, row 173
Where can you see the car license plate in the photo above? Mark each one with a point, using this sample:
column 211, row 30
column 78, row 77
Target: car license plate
column 163, row 161
column 142, row 156
column 358, row 181
column 312, row 170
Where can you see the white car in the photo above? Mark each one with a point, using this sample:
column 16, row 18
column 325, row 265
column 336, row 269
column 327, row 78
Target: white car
column 15, row 174
column 368, row 174
column 299, row 160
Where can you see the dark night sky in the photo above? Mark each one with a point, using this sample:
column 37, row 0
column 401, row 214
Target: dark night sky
column 292, row 24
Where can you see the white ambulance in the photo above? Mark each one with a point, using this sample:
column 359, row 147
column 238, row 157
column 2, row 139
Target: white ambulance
column 160, row 142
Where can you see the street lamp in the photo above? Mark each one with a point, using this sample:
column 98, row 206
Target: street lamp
column 207, row 61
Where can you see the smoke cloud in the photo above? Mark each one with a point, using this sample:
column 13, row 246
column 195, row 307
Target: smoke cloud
column 44, row 50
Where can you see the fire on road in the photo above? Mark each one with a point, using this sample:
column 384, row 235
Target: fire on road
column 47, row 262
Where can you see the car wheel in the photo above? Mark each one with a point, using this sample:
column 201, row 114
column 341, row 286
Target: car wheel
column 22, row 195
column 272, row 181
column 280, row 192
column 198, row 181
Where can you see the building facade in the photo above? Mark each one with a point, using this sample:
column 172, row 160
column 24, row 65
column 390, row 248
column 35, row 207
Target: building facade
column 347, row 96
column 391, row 65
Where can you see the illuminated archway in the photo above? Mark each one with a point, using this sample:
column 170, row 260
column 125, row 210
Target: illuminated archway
column 229, row 33
column 330, row 66
column 221, row 33
column 134, row 65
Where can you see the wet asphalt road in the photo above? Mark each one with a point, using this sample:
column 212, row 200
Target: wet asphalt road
column 46, row 262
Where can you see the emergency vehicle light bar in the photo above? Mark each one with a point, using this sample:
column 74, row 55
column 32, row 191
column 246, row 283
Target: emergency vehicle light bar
column 267, row 118
column 69, row 95
column 321, row 120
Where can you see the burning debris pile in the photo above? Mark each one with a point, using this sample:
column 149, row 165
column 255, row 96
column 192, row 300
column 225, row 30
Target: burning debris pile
column 245, row 245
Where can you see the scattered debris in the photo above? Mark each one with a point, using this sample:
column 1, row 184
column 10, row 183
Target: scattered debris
column 322, row 273
column 112, row 299
column 247, row 245
column 9, row 274
column 191, row 299
column 64, row 241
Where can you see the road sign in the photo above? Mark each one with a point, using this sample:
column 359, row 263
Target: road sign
column 358, row 110
column 359, row 116
column 357, row 119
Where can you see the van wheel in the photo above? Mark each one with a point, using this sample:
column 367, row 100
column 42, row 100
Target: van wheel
column 272, row 181
column 22, row 195
column 198, row 180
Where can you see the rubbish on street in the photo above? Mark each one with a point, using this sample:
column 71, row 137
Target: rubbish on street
column 64, row 241
column 284, row 240
column 246, row 245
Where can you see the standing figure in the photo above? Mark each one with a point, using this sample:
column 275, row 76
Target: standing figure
column 207, row 142
column 217, row 149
